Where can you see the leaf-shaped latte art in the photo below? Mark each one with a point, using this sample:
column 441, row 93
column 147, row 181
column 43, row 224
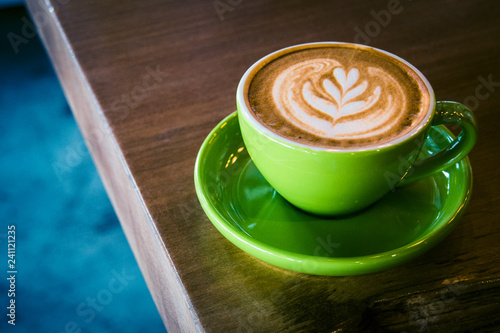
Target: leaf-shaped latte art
column 323, row 97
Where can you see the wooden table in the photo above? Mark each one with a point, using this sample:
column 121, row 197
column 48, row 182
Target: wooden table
column 148, row 80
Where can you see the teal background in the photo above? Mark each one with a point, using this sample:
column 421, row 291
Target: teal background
column 70, row 248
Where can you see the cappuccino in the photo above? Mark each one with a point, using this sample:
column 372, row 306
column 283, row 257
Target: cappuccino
column 343, row 96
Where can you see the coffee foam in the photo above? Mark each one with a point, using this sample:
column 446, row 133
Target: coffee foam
column 338, row 97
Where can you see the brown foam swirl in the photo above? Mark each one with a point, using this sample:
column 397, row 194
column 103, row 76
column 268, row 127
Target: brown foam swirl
column 329, row 100
column 339, row 96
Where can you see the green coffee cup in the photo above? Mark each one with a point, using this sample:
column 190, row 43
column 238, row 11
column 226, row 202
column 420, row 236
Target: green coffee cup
column 337, row 180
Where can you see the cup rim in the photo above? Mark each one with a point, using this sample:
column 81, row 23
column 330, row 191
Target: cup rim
column 243, row 104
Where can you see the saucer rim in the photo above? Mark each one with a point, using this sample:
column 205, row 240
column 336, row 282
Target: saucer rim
column 332, row 266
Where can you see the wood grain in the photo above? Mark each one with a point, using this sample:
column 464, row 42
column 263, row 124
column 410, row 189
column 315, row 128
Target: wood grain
column 148, row 80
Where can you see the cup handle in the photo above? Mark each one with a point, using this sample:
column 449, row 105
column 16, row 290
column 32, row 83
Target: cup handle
column 446, row 113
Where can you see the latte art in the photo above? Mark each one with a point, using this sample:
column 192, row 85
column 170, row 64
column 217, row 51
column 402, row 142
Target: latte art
column 337, row 97
column 320, row 97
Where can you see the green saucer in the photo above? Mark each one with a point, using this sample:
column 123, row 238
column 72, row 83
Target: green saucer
column 253, row 216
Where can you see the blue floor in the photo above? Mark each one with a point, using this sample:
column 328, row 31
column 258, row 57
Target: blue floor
column 75, row 270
